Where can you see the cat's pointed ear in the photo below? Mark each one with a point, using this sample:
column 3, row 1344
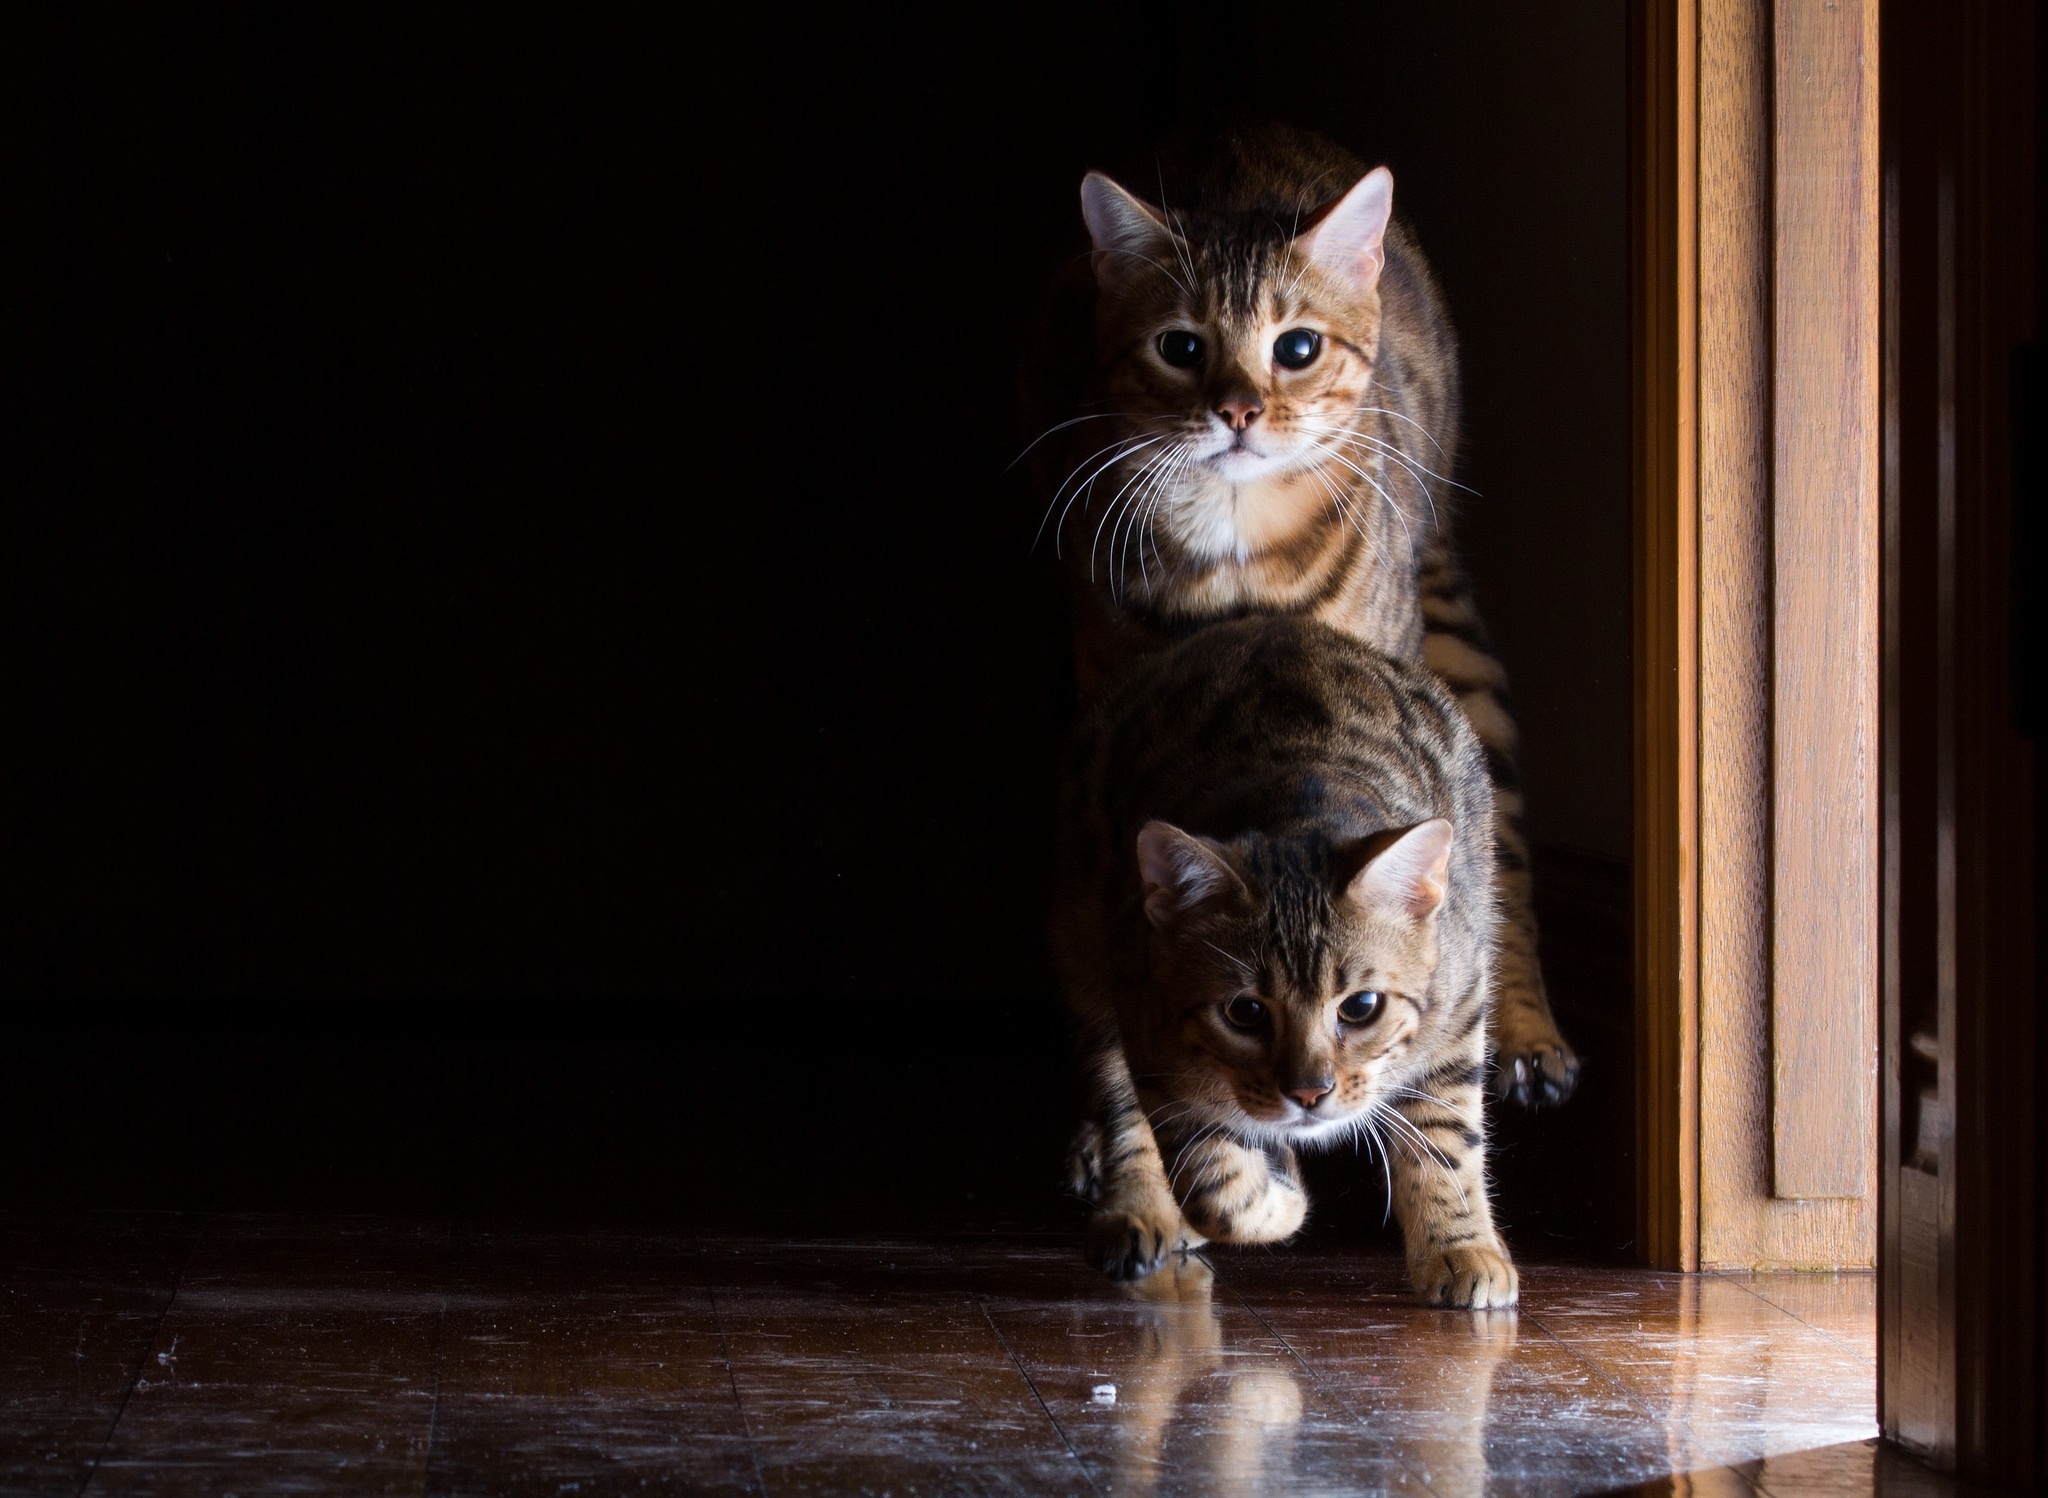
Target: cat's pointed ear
column 1182, row 873
column 1127, row 230
column 1408, row 875
column 1350, row 240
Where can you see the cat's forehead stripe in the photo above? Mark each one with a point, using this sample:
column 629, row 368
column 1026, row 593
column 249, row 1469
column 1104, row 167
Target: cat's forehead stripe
column 1237, row 259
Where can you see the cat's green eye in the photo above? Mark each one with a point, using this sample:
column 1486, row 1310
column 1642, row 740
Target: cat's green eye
column 1180, row 348
column 1361, row 1008
column 1245, row 1012
column 1297, row 348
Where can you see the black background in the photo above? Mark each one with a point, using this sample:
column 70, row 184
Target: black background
column 527, row 667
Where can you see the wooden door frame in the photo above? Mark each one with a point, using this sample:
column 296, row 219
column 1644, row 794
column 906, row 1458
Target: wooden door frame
column 1756, row 322
column 1832, row 275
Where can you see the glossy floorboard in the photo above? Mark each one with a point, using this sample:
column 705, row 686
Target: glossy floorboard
column 168, row 1354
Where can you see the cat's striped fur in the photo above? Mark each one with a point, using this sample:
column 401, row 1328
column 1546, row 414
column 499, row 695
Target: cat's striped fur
column 1271, row 813
column 1345, row 518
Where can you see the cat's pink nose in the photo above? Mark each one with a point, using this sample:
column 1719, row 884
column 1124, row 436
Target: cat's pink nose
column 1239, row 411
column 1309, row 1094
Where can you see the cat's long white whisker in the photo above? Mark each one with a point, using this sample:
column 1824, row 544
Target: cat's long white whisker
column 1434, row 1153
column 1181, row 251
column 1372, row 447
column 1128, row 450
column 1408, row 460
column 1171, row 1115
column 1230, row 957
column 1386, row 1176
column 1392, row 503
column 1201, row 1136
column 1118, row 448
column 1372, row 1130
column 1115, row 506
column 1133, row 516
column 1074, row 421
column 1399, row 416
column 1169, row 477
column 1335, row 492
column 1184, row 289
column 1392, row 449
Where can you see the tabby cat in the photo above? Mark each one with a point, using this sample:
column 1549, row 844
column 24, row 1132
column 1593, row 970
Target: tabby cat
column 1268, row 389
column 1275, row 924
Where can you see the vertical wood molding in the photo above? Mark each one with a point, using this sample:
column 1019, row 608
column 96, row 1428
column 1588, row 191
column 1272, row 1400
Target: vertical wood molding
column 1824, row 575
column 1720, row 667
column 1664, row 161
column 1748, row 653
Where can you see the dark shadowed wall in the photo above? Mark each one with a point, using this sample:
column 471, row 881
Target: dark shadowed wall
column 516, row 507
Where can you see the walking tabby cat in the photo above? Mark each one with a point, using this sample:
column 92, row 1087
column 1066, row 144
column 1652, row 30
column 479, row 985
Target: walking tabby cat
column 1276, row 923
column 1266, row 385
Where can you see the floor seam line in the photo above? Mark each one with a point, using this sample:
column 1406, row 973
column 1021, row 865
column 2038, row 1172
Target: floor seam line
column 1870, row 1363
column 731, row 1377
column 1032, row 1384
column 142, row 1360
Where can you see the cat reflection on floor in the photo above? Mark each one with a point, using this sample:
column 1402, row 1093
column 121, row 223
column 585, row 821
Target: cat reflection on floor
column 1238, row 1441
column 1192, row 1405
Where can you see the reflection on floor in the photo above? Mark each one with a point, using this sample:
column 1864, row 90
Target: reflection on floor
column 170, row 1354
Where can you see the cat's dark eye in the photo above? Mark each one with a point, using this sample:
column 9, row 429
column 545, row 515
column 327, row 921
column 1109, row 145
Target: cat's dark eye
column 1361, row 1008
column 1297, row 348
column 1245, row 1012
column 1180, row 348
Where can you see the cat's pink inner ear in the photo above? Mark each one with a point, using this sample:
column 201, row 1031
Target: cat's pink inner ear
column 1409, row 874
column 1180, row 873
column 1350, row 241
column 1123, row 227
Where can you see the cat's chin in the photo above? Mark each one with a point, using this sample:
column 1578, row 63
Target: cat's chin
column 1299, row 1132
column 1319, row 1133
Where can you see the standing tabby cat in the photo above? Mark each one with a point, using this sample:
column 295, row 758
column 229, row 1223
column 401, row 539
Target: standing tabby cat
column 1269, row 394
column 1276, row 926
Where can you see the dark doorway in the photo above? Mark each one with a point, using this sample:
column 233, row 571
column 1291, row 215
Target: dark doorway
column 532, row 689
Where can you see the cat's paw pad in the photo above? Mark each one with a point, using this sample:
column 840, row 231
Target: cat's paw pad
column 1129, row 1245
column 1084, row 1163
column 1479, row 1276
column 1542, row 1076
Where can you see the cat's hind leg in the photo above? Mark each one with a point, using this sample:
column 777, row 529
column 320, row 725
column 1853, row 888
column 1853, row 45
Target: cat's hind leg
column 1533, row 1064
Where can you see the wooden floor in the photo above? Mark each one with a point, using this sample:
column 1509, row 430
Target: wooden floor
column 163, row 1353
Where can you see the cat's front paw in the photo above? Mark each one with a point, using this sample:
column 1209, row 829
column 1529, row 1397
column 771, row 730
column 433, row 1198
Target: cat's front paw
column 1130, row 1245
column 1475, row 1275
column 1235, row 1194
column 1538, row 1075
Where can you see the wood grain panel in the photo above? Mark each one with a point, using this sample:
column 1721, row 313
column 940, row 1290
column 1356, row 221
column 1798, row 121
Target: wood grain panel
column 1741, row 1224
column 1825, row 557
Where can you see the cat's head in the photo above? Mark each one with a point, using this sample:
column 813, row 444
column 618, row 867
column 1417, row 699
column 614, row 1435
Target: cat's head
column 1238, row 352
column 1294, row 979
